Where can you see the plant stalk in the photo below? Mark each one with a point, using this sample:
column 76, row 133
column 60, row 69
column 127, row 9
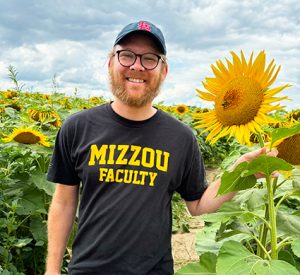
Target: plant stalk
column 263, row 232
column 272, row 216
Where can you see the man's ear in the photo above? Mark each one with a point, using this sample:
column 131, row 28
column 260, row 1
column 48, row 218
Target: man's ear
column 165, row 71
column 109, row 63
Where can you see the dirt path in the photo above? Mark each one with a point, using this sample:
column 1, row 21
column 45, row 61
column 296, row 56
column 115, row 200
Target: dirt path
column 183, row 245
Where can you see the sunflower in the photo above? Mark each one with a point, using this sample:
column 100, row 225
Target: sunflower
column 27, row 136
column 10, row 94
column 241, row 97
column 181, row 109
column 289, row 149
column 39, row 115
column 14, row 105
column 293, row 115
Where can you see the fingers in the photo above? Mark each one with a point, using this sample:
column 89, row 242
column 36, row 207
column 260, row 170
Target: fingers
column 272, row 153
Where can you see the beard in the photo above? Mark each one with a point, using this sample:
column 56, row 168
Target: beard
column 117, row 85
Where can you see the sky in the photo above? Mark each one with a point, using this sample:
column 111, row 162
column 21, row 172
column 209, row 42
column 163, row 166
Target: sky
column 63, row 45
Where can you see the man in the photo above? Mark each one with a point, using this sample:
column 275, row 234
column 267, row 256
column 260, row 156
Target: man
column 130, row 158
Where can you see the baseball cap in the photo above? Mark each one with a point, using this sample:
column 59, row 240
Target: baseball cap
column 146, row 27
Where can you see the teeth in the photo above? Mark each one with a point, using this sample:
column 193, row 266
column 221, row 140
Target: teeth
column 136, row 80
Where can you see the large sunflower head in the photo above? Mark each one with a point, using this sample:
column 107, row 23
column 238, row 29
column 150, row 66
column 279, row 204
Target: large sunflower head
column 241, row 97
column 27, row 136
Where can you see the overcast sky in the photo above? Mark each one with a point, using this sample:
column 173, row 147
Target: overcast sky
column 70, row 40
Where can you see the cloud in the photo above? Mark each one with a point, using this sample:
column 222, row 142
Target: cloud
column 72, row 38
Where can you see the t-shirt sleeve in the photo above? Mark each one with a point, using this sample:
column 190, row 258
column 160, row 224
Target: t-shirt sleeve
column 62, row 166
column 194, row 181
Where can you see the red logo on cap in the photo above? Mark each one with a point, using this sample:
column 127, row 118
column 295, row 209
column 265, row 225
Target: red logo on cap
column 144, row 26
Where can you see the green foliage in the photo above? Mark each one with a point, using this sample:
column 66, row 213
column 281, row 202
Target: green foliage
column 280, row 133
column 13, row 75
column 180, row 215
column 23, row 206
column 206, row 266
column 234, row 258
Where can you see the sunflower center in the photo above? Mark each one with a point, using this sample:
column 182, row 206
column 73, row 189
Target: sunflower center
column 239, row 102
column 181, row 109
column 27, row 138
column 289, row 150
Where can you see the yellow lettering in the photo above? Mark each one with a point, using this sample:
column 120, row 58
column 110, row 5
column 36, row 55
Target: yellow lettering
column 110, row 175
column 150, row 162
column 136, row 150
column 127, row 176
column 102, row 173
column 152, row 178
column 143, row 174
column 121, row 160
column 162, row 167
column 135, row 180
column 118, row 172
column 98, row 154
column 112, row 148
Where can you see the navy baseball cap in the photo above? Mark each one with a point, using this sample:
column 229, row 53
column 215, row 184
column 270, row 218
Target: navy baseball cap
column 146, row 27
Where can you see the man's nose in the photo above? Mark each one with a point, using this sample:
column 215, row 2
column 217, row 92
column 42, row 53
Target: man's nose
column 137, row 65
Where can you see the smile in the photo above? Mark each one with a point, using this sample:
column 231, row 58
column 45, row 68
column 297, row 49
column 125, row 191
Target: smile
column 135, row 80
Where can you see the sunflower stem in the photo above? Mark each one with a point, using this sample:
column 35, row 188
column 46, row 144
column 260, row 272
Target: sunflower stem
column 272, row 215
column 260, row 139
column 263, row 232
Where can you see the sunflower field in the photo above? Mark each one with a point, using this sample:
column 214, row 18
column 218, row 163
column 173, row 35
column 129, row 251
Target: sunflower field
column 255, row 233
column 29, row 124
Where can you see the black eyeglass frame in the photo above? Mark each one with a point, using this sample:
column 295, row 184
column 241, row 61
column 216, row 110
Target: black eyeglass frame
column 141, row 58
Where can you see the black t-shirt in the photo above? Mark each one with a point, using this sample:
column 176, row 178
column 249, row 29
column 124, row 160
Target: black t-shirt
column 128, row 171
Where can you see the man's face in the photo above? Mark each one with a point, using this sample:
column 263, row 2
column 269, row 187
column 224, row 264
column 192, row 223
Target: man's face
column 136, row 86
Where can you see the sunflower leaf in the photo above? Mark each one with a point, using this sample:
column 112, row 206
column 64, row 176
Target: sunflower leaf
column 267, row 165
column 236, row 180
column 235, row 258
column 288, row 224
column 281, row 133
column 296, row 247
column 206, row 266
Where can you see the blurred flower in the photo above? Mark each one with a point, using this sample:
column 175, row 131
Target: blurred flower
column 181, row 109
column 9, row 94
column 27, row 136
column 42, row 116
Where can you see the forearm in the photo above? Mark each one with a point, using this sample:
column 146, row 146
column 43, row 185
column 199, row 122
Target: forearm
column 209, row 202
column 60, row 221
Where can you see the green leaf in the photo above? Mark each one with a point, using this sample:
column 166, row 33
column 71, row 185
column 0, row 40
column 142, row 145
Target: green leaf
column 22, row 242
column 289, row 224
column 206, row 239
column 253, row 198
column 38, row 229
column 208, row 262
column 296, row 247
column 189, row 269
column 234, row 258
column 235, row 181
column 296, row 178
column 207, row 266
column 31, row 202
column 41, row 183
column 280, row 133
column 286, row 256
column 267, row 165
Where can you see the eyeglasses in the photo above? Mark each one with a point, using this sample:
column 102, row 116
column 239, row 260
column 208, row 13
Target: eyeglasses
column 148, row 60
